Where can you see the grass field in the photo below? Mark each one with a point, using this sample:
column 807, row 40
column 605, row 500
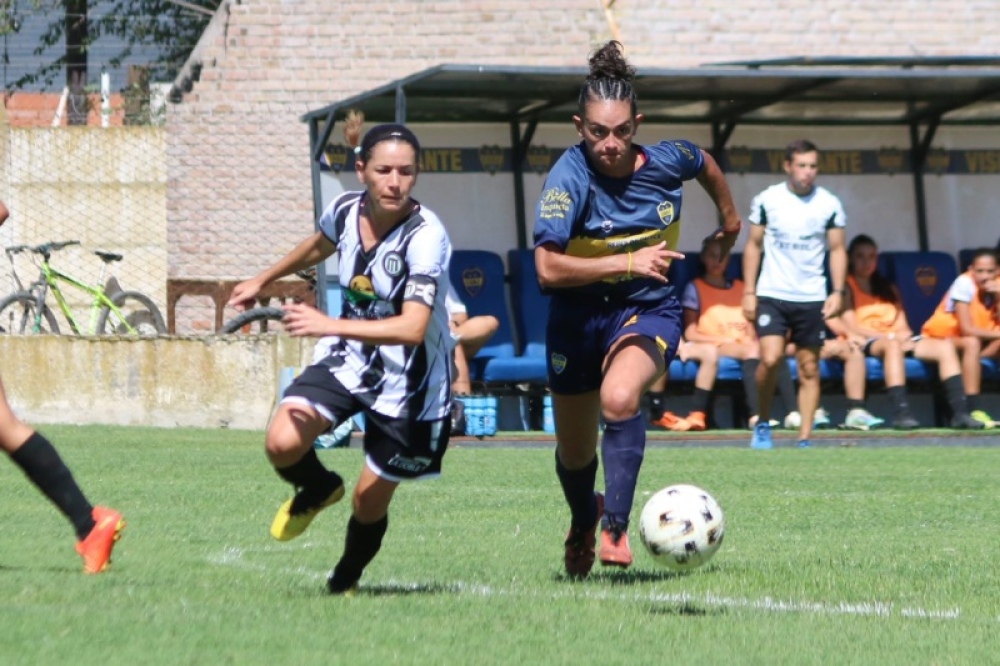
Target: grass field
column 832, row 555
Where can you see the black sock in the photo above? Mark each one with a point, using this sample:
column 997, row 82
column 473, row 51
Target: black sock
column 622, row 449
column 955, row 393
column 313, row 482
column 972, row 400
column 578, row 489
column 700, row 401
column 897, row 395
column 361, row 545
column 656, row 402
column 786, row 387
column 855, row 404
column 42, row 464
column 749, row 367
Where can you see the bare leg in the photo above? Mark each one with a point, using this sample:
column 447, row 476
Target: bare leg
column 809, row 389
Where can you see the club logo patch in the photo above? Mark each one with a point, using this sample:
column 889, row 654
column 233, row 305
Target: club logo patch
column 927, row 279
column 393, row 264
column 558, row 362
column 764, row 320
column 473, row 279
column 666, row 212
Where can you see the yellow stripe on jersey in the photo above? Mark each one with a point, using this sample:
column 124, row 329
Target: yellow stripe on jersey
column 603, row 247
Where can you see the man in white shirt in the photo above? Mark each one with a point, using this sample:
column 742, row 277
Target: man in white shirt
column 792, row 224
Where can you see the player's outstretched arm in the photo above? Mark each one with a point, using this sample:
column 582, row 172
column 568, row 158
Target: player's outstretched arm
column 713, row 181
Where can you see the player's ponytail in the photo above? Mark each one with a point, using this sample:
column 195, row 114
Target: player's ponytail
column 610, row 77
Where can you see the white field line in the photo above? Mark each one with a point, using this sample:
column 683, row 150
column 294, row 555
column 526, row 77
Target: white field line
column 232, row 556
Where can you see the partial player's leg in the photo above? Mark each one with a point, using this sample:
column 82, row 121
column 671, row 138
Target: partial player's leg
column 772, row 352
column 97, row 528
column 365, row 530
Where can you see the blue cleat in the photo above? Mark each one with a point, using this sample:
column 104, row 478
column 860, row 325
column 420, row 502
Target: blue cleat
column 761, row 437
column 804, row 444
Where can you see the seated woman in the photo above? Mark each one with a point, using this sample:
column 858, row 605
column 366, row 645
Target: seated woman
column 874, row 316
column 848, row 346
column 470, row 334
column 714, row 326
column 967, row 316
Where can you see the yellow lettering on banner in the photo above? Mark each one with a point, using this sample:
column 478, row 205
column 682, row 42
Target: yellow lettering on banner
column 983, row 161
column 840, row 162
column 455, row 158
column 441, row 160
column 776, row 160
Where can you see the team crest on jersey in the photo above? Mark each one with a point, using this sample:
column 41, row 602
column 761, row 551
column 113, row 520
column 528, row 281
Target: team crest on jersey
column 361, row 288
column 473, row 279
column 666, row 212
column 393, row 264
column 558, row 363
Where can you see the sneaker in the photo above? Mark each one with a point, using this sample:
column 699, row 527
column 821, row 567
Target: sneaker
column 965, row 421
column 904, row 420
column 793, row 421
column 580, row 545
column 983, row 418
column 761, row 437
column 95, row 549
column 861, row 419
column 672, row 422
column 821, row 419
column 340, row 587
column 696, row 420
column 804, row 444
column 288, row 525
column 615, row 551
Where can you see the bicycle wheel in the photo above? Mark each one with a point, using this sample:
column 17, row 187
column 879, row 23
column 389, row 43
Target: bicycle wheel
column 138, row 313
column 256, row 320
column 17, row 316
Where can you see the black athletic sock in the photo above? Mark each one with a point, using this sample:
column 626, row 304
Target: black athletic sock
column 46, row 469
column 313, row 482
column 622, row 449
column 657, row 400
column 749, row 367
column 786, row 387
column 897, row 395
column 955, row 393
column 699, row 403
column 855, row 404
column 972, row 400
column 578, row 489
column 360, row 547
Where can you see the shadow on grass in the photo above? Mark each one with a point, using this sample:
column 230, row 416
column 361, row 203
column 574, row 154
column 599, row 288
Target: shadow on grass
column 402, row 590
column 685, row 609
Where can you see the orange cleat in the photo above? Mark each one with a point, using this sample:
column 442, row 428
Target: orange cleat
column 96, row 547
column 696, row 420
column 580, row 545
column 671, row 421
column 615, row 551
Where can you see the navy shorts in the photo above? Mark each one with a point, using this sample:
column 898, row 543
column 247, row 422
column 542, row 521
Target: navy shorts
column 580, row 334
column 804, row 320
column 395, row 449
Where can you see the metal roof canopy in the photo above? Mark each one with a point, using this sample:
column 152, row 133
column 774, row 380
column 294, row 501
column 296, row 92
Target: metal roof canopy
column 920, row 93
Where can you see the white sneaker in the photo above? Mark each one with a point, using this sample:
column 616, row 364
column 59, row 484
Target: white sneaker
column 861, row 419
column 793, row 421
column 821, row 419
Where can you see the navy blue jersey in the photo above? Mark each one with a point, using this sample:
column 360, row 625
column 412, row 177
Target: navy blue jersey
column 588, row 214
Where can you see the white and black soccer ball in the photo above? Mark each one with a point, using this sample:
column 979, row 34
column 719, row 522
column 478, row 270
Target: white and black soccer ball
column 682, row 526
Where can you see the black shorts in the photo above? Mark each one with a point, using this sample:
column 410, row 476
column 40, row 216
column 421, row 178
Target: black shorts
column 804, row 320
column 870, row 341
column 395, row 449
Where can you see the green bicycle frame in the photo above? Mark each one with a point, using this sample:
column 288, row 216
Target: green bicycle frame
column 52, row 278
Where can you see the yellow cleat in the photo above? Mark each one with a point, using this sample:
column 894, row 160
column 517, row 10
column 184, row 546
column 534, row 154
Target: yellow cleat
column 287, row 526
column 95, row 549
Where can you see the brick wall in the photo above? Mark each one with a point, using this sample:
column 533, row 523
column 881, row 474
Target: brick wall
column 239, row 191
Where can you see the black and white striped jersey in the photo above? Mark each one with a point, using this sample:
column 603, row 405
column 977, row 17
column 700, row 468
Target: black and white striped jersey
column 410, row 263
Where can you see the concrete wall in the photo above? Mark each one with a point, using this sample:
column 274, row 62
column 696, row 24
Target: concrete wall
column 204, row 382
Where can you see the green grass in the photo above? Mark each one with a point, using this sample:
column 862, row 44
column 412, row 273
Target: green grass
column 832, row 556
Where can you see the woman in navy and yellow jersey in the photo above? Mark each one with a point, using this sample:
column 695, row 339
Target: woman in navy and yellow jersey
column 606, row 226
column 874, row 317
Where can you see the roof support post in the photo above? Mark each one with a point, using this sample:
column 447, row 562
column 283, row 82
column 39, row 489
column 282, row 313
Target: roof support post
column 721, row 132
column 519, row 150
column 400, row 105
column 919, row 147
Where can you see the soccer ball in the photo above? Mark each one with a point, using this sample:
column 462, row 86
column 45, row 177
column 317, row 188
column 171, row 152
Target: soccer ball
column 682, row 526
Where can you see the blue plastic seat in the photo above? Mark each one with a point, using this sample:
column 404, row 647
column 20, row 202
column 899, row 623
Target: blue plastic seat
column 531, row 316
column 478, row 278
column 922, row 278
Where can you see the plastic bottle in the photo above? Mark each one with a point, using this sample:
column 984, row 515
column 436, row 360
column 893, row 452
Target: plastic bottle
column 490, row 415
column 548, row 418
column 474, row 415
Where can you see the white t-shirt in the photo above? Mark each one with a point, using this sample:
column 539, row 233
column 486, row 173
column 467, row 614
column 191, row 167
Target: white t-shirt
column 452, row 303
column 962, row 290
column 795, row 241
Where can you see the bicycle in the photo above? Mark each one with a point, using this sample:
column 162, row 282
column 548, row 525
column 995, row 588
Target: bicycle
column 112, row 310
column 266, row 318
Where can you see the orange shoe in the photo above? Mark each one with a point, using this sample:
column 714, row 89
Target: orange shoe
column 580, row 545
column 696, row 420
column 671, row 421
column 615, row 551
column 96, row 547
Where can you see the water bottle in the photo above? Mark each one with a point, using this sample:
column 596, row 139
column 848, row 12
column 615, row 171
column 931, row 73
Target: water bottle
column 548, row 418
column 490, row 416
column 474, row 415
